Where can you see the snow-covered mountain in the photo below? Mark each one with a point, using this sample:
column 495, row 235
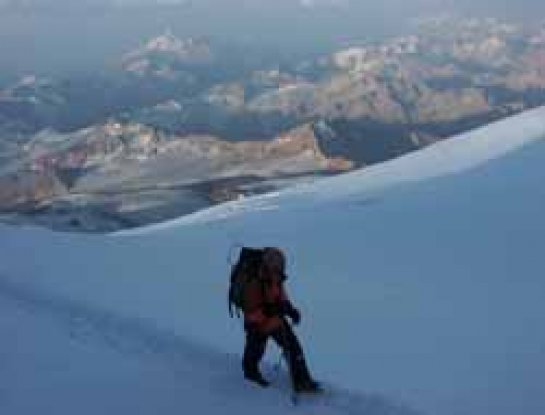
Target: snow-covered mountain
column 420, row 281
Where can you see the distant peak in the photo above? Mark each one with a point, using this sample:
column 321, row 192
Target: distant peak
column 150, row 57
column 167, row 42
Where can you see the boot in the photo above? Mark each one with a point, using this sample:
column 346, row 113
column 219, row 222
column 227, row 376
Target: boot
column 302, row 381
column 257, row 378
column 308, row 386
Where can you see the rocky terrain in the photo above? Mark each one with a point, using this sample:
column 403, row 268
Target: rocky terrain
column 166, row 56
column 182, row 123
column 116, row 175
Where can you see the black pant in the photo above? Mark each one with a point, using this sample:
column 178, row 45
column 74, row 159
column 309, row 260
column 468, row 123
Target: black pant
column 286, row 339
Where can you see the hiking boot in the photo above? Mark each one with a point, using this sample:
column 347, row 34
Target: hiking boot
column 257, row 378
column 309, row 386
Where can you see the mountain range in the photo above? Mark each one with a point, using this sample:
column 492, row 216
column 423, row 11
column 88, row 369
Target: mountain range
column 185, row 123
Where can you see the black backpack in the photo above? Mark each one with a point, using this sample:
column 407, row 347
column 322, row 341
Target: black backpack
column 244, row 270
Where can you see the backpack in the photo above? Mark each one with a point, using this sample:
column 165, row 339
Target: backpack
column 244, row 270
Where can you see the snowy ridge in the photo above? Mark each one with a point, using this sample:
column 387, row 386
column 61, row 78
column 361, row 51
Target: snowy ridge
column 458, row 154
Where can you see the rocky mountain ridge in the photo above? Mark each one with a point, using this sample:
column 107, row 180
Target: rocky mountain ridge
column 194, row 124
column 115, row 159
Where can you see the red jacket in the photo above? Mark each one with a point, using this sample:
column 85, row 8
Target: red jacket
column 262, row 293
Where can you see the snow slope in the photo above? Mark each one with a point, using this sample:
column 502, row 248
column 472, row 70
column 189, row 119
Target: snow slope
column 68, row 358
column 420, row 282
